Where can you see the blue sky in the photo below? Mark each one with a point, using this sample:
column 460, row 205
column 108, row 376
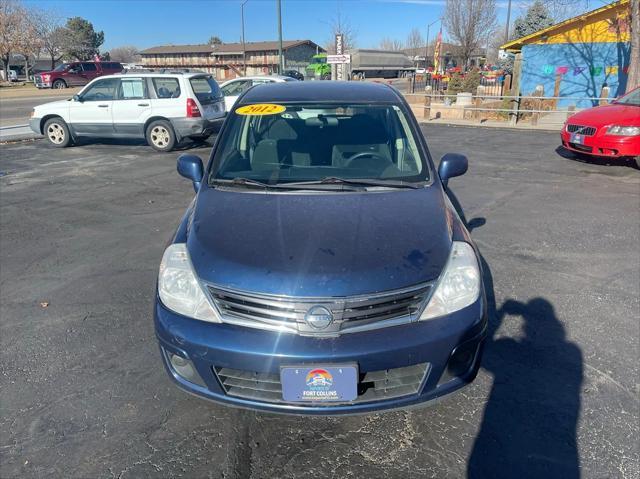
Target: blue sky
column 146, row 23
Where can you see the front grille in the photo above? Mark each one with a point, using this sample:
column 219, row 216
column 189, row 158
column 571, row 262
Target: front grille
column 351, row 314
column 583, row 130
column 586, row 149
column 372, row 386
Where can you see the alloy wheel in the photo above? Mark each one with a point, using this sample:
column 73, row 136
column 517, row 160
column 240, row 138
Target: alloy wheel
column 55, row 133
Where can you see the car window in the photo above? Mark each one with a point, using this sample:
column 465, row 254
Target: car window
column 309, row 142
column 236, row 88
column 132, row 89
column 631, row 98
column 60, row 68
column 166, row 87
column 89, row 67
column 101, row 90
column 206, row 89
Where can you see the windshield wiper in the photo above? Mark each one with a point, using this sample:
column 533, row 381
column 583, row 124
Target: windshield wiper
column 244, row 182
column 334, row 180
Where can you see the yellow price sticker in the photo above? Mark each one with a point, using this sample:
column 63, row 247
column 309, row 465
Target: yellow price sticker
column 260, row 109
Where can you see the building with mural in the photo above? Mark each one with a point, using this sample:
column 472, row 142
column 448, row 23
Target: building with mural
column 577, row 57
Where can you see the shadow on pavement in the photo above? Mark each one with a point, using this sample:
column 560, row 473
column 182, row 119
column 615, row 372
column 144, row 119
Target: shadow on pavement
column 595, row 160
column 530, row 419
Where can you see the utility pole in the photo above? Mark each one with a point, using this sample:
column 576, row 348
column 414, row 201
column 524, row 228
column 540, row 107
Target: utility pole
column 244, row 50
column 506, row 32
column 280, row 57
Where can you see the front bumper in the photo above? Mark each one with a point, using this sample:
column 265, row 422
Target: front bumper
column 437, row 343
column 34, row 124
column 603, row 145
column 186, row 127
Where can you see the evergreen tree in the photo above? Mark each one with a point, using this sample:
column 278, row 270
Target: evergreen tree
column 536, row 18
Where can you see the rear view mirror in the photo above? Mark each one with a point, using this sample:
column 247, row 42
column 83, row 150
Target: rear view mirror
column 190, row 166
column 452, row 165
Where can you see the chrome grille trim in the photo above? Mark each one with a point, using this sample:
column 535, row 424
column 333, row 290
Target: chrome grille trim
column 372, row 386
column 583, row 130
column 350, row 314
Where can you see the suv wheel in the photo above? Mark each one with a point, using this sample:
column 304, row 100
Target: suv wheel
column 59, row 84
column 160, row 135
column 57, row 132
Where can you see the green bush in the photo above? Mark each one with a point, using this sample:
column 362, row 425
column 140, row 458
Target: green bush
column 471, row 81
column 455, row 84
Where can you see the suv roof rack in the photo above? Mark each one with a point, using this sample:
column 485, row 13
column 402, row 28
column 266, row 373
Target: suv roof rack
column 163, row 70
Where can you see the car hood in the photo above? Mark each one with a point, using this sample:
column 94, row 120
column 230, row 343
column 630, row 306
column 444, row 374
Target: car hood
column 55, row 104
column 607, row 115
column 329, row 244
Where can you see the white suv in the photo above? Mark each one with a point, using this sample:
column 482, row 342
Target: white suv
column 164, row 108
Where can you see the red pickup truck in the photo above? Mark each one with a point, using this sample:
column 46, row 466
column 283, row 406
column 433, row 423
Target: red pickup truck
column 75, row 74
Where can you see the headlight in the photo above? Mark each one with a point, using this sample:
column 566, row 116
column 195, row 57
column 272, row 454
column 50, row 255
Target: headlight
column 458, row 286
column 619, row 130
column 178, row 287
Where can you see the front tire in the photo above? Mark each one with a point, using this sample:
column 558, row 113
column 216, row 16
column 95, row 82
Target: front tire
column 57, row 132
column 59, row 84
column 160, row 135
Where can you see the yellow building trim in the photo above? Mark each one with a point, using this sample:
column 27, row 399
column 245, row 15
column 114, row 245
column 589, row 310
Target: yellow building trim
column 605, row 24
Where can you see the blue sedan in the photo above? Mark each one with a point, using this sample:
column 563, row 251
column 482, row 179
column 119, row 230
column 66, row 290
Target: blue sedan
column 321, row 268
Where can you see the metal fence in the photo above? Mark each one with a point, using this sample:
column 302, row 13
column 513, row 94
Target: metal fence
column 512, row 109
column 439, row 85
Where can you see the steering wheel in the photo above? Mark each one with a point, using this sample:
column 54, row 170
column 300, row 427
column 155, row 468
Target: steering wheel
column 364, row 154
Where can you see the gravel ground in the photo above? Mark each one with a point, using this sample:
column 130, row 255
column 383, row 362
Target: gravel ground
column 83, row 393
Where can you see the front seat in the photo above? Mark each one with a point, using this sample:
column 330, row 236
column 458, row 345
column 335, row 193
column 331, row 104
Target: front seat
column 265, row 156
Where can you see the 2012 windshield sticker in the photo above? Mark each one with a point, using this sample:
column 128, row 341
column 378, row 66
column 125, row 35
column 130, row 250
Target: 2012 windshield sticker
column 260, row 109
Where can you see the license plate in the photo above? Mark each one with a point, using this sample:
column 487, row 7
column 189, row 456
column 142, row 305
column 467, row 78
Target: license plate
column 576, row 138
column 333, row 383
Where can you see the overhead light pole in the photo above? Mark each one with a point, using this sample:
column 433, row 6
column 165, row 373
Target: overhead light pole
column 244, row 50
column 426, row 53
column 506, row 30
column 280, row 58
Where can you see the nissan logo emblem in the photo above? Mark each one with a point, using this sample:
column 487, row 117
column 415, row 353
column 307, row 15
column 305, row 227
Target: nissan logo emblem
column 318, row 317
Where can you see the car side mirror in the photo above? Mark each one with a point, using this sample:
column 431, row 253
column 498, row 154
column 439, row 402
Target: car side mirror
column 77, row 98
column 190, row 166
column 452, row 165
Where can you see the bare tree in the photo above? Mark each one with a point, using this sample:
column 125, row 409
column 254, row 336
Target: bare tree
column 341, row 24
column 125, row 54
column 391, row 44
column 469, row 22
column 52, row 35
column 414, row 39
column 12, row 19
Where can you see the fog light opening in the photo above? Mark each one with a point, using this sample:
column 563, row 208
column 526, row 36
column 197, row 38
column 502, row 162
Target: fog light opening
column 460, row 362
column 185, row 369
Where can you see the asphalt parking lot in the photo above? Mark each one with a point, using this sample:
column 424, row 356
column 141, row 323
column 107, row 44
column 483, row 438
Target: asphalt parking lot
column 83, row 393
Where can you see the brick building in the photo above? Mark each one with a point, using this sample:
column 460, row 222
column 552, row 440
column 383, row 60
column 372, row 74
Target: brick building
column 225, row 60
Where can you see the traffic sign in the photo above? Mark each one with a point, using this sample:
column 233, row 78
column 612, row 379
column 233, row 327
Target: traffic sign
column 337, row 59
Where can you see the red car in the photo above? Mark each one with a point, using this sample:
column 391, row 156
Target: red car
column 75, row 74
column 606, row 131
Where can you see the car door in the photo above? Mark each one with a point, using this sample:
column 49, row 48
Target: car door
column 72, row 76
column 131, row 107
column 89, row 72
column 233, row 90
column 90, row 114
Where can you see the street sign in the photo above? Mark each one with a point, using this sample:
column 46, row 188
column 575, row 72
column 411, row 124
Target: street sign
column 337, row 59
column 339, row 43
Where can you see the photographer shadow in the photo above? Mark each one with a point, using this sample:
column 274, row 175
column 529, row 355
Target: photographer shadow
column 529, row 428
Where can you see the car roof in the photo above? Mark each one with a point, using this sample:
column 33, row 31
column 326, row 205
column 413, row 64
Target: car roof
column 321, row 91
column 260, row 77
column 152, row 74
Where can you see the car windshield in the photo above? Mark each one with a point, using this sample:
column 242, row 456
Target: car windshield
column 206, row 89
column 317, row 143
column 631, row 98
column 60, row 68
